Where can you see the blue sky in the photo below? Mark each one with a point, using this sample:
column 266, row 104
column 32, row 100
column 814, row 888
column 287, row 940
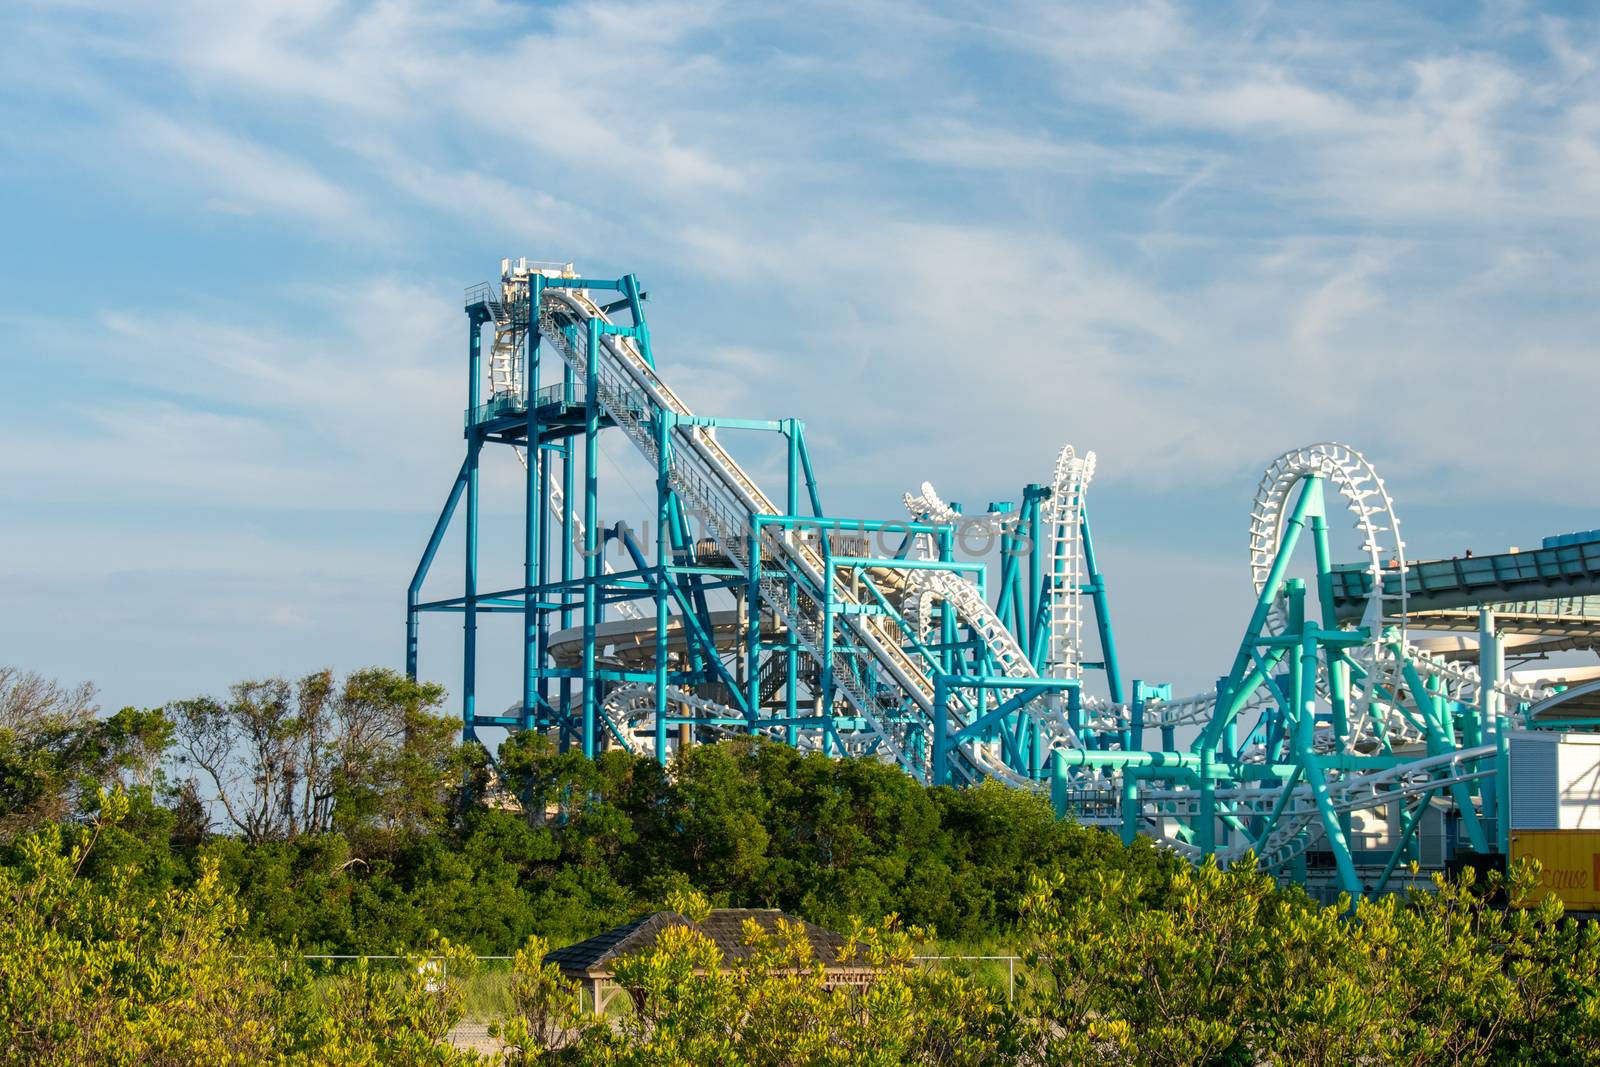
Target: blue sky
column 950, row 238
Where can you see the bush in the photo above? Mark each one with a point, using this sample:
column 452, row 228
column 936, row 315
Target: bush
column 96, row 972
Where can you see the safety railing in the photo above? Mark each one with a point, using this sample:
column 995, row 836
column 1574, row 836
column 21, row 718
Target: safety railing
column 503, row 404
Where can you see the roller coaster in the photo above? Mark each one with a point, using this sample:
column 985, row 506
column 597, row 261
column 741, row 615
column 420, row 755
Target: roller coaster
column 1364, row 723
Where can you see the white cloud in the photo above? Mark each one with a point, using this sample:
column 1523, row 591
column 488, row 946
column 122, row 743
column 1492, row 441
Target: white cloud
column 950, row 239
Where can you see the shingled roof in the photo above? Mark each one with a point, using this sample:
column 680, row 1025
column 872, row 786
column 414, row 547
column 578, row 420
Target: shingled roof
column 724, row 926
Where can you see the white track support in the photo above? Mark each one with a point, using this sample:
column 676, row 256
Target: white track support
column 1372, row 510
column 626, row 608
column 726, row 498
column 974, row 610
column 1065, row 562
column 510, row 312
column 962, row 595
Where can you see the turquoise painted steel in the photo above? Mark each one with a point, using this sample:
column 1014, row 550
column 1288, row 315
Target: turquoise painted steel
column 777, row 620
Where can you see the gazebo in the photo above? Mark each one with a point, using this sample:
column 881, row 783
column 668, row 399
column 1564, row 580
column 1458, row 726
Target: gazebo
column 590, row 962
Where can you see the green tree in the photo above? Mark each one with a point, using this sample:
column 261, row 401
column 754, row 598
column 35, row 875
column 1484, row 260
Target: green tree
column 54, row 750
column 369, row 758
column 96, row 972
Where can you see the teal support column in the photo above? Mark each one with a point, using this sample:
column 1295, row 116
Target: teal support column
column 568, row 549
column 1058, row 784
column 425, row 564
column 947, row 621
column 1136, row 702
column 1338, row 667
column 1102, row 614
column 1304, row 728
column 543, row 652
column 1230, row 694
column 533, row 532
column 469, row 632
column 641, row 336
column 1036, row 593
column 591, row 535
column 796, row 463
column 1502, row 781
column 1442, row 740
column 1491, row 667
column 663, row 575
column 941, row 709
column 752, row 631
column 1129, row 803
column 938, row 765
column 827, row 630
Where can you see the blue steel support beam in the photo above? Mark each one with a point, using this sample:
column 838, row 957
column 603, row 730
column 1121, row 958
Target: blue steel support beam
column 791, row 645
column 1338, row 668
column 469, row 640
column 635, row 298
column 533, row 529
column 1038, row 582
column 811, row 476
column 1310, row 501
column 543, row 651
column 663, row 577
column 1441, row 739
column 1102, row 614
column 1491, row 666
column 435, row 539
column 568, row 551
column 591, row 533
column 1006, row 607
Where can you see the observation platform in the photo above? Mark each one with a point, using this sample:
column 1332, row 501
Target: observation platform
column 504, row 418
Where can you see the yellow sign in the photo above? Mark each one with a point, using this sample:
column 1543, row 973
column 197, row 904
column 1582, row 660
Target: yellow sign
column 1571, row 862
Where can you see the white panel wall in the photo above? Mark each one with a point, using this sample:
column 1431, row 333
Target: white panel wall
column 1579, row 769
column 1555, row 781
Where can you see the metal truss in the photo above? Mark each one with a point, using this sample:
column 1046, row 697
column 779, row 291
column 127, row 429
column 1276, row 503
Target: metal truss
column 1331, row 739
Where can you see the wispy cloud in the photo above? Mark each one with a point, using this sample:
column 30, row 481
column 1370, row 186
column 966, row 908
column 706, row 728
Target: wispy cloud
column 949, row 236
column 240, row 176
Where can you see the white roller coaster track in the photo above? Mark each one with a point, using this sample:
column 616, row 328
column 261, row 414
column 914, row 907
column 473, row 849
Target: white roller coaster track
column 506, row 379
column 1065, row 569
column 963, row 596
column 510, row 331
column 974, row 610
column 1368, row 501
column 632, row 709
column 727, row 499
column 626, row 608
column 1065, row 561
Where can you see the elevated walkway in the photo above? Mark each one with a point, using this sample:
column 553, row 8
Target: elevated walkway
column 1554, row 590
